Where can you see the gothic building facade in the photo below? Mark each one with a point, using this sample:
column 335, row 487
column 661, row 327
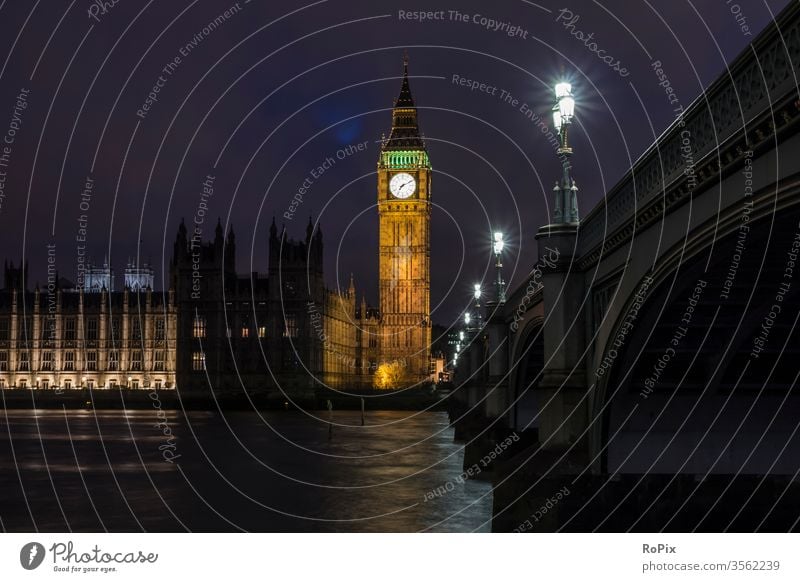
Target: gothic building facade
column 215, row 329
column 282, row 331
column 279, row 331
column 65, row 338
column 404, row 213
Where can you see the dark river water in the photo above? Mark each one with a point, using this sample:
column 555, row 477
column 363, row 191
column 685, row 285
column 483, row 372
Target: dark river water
column 273, row 471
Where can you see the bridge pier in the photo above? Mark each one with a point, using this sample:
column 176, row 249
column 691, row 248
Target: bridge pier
column 561, row 393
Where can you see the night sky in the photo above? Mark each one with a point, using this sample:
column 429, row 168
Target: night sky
column 276, row 88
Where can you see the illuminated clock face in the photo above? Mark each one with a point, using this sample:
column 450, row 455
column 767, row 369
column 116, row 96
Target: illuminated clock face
column 402, row 185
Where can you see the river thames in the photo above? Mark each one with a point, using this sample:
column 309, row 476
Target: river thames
column 108, row 470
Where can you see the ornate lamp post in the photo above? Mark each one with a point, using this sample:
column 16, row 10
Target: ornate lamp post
column 477, row 292
column 499, row 284
column 566, row 203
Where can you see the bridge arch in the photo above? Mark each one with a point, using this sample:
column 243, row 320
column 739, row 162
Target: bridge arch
column 528, row 362
column 686, row 393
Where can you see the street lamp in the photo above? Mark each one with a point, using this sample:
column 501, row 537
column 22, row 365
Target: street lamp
column 476, row 294
column 499, row 284
column 566, row 204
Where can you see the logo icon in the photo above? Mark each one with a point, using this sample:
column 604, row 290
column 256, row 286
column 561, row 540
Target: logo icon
column 31, row 555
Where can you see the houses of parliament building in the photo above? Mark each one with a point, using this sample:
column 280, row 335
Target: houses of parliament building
column 213, row 328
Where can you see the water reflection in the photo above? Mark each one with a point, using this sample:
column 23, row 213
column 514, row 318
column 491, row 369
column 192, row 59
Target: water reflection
column 273, row 472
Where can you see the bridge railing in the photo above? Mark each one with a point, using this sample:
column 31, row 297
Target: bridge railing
column 755, row 98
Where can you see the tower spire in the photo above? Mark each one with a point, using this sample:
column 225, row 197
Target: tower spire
column 405, row 129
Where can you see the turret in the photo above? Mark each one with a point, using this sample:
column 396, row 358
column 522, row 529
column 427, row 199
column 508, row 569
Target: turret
column 218, row 236
column 230, row 251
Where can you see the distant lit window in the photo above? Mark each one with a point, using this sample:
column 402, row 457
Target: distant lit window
column 23, row 364
column 291, row 326
column 3, row 361
column 46, row 328
column 262, row 331
column 160, row 329
column 47, row 361
column 116, row 329
column 69, row 361
column 91, row 328
column 136, row 328
column 25, row 328
column 69, row 328
column 136, row 360
column 199, row 327
column 198, row 361
column 91, row 361
column 158, row 362
column 113, row 360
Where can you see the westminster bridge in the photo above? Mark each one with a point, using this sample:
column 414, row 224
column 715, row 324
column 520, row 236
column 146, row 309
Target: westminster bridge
column 649, row 361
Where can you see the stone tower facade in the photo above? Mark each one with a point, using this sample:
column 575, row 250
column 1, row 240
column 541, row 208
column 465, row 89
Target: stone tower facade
column 404, row 190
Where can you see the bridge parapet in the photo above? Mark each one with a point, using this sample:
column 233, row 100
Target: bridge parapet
column 750, row 107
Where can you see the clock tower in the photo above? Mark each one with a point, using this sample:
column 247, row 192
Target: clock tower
column 404, row 214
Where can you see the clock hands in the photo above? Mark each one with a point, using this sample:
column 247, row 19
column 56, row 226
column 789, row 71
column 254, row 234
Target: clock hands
column 403, row 189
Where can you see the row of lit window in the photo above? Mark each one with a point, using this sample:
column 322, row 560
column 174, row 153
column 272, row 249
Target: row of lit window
column 47, row 362
column 69, row 331
column 200, row 328
column 44, row 384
